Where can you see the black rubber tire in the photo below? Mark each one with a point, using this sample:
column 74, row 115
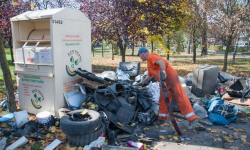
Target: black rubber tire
column 82, row 140
column 81, row 127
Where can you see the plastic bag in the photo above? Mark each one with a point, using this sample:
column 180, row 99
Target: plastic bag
column 200, row 111
column 213, row 102
column 109, row 74
column 218, row 119
column 154, row 89
column 122, row 75
column 97, row 143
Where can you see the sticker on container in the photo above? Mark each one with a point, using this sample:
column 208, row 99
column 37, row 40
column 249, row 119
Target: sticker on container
column 74, row 60
column 37, row 98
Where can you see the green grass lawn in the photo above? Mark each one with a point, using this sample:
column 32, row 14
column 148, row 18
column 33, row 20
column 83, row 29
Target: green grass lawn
column 11, row 66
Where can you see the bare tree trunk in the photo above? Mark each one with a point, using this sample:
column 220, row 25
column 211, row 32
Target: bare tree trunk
column 226, row 53
column 235, row 51
column 93, row 50
column 152, row 46
column 112, row 51
column 7, row 78
column 168, row 46
column 123, row 51
column 133, row 47
column 204, row 35
column 189, row 43
column 11, row 50
column 102, row 49
column 194, row 47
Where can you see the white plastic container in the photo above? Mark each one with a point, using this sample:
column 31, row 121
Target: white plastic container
column 44, row 117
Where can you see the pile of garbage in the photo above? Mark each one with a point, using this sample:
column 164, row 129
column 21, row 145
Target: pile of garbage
column 110, row 106
column 121, row 107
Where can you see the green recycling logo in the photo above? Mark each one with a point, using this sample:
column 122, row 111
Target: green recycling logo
column 74, row 59
column 37, row 98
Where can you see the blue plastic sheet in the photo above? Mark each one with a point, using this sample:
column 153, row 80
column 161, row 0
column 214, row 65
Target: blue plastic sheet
column 218, row 119
column 6, row 117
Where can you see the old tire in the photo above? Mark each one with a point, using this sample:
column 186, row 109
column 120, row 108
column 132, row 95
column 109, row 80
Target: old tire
column 69, row 126
column 82, row 140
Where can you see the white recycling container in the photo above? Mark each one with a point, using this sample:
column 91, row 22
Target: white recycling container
column 49, row 45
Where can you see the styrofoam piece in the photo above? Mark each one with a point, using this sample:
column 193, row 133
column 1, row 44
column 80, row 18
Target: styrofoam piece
column 18, row 143
column 2, row 143
column 53, row 145
column 21, row 118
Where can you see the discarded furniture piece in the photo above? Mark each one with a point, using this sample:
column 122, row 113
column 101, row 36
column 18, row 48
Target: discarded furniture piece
column 204, row 80
column 49, row 45
column 132, row 68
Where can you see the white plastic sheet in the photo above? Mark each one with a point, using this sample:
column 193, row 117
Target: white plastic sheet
column 154, row 89
column 122, row 75
column 109, row 74
column 97, row 143
column 200, row 111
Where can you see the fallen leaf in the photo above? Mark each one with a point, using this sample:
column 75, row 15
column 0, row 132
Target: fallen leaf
column 133, row 124
column 31, row 142
column 48, row 135
column 156, row 112
column 85, row 111
column 119, row 124
column 164, row 124
column 176, row 138
column 42, row 142
column 4, row 125
column 67, row 90
column 229, row 140
column 57, row 123
column 219, row 139
column 89, row 103
column 243, row 138
column 80, row 148
column 52, row 129
column 169, row 136
column 145, row 128
column 213, row 131
column 209, row 129
column 92, row 106
column 161, row 137
column 241, row 130
column 83, row 104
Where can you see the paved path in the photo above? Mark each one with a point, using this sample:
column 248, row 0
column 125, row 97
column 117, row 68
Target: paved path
column 222, row 53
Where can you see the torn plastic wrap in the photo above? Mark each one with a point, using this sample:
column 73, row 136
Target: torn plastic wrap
column 122, row 75
column 154, row 89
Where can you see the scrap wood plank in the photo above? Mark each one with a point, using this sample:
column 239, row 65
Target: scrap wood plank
column 237, row 101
